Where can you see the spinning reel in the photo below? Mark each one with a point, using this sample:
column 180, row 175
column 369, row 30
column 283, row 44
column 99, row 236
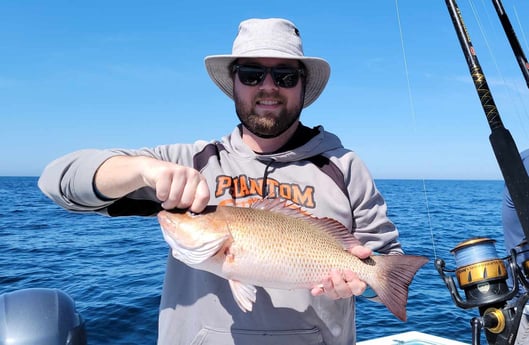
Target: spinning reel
column 483, row 276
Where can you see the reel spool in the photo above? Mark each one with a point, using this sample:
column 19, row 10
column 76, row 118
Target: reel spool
column 480, row 273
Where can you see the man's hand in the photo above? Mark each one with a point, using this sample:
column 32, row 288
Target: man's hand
column 343, row 284
column 176, row 186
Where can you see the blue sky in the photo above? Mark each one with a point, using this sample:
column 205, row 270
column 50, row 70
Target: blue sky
column 101, row 74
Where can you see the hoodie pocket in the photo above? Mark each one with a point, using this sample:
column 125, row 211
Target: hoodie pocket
column 208, row 336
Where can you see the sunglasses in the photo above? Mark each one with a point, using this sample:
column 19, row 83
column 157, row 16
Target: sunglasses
column 252, row 75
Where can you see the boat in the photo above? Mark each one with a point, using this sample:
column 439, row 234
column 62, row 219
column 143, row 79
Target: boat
column 411, row 338
column 40, row 316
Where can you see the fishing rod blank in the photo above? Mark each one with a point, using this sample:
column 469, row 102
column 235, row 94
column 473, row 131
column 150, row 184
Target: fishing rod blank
column 503, row 145
column 511, row 36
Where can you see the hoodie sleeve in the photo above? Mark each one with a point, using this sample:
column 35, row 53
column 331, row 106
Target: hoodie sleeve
column 512, row 228
column 371, row 223
column 68, row 180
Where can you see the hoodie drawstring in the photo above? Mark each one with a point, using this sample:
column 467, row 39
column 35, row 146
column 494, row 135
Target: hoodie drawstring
column 265, row 179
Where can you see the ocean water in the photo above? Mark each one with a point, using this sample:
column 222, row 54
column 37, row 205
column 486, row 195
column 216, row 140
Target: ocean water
column 113, row 267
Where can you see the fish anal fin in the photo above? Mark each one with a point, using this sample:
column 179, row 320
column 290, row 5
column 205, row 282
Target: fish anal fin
column 244, row 294
column 396, row 273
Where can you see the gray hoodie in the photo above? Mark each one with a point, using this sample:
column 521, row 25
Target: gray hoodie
column 197, row 307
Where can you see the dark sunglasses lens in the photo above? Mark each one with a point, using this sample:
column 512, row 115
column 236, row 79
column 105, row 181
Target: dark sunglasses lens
column 251, row 76
column 285, row 77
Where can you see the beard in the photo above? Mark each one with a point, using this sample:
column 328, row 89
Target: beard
column 266, row 124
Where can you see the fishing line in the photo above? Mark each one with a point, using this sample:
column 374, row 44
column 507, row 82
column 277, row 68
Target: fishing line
column 484, row 36
column 413, row 113
column 410, row 94
column 522, row 31
column 425, row 192
column 503, row 82
column 521, row 27
column 507, row 86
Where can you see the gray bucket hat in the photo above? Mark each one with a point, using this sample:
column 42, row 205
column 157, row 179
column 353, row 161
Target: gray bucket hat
column 269, row 38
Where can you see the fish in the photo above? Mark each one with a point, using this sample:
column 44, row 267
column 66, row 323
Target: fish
column 276, row 244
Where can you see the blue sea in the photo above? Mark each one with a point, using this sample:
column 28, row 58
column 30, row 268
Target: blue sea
column 113, row 267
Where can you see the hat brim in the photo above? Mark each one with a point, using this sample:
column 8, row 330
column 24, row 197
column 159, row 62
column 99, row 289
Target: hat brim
column 318, row 72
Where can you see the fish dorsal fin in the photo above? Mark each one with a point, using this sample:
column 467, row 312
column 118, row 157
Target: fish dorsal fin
column 280, row 206
column 337, row 230
column 331, row 226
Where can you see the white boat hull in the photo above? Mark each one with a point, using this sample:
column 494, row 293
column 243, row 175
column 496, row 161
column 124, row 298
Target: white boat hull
column 411, row 338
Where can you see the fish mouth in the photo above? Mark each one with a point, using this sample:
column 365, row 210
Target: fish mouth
column 170, row 219
column 162, row 214
column 174, row 210
column 168, row 222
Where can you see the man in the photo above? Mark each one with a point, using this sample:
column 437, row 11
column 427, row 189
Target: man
column 514, row 236
column 270, row 154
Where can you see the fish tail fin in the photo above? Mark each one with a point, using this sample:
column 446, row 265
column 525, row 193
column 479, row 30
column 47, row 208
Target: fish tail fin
column 395, row 274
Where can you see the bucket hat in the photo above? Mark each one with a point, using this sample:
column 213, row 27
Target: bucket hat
column 269, row 38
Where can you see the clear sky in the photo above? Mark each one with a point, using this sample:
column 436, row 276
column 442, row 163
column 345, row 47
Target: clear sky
column 100, row 73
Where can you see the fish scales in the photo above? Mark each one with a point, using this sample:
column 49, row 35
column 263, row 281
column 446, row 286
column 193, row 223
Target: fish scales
column 309, row 251
column 273, row 245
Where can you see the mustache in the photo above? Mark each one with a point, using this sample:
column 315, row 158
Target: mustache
column 270, row 94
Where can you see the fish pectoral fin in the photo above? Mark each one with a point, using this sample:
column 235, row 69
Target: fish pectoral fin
column 197, row 254
column 244, row 294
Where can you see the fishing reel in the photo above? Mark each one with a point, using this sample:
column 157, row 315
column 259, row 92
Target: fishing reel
column 483, row 277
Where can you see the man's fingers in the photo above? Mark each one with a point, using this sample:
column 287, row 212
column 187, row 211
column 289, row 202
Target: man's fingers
column 318, row 290
column 361, row 252
column 340, row 284
column 328, row 287
column 201, row 197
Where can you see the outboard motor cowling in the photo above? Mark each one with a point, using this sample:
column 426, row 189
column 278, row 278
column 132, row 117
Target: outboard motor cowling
column 40, row 316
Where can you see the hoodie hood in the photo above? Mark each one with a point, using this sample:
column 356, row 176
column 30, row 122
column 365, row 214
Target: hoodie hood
column 323, row 142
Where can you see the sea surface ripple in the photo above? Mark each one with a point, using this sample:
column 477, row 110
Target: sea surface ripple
column 113, row 267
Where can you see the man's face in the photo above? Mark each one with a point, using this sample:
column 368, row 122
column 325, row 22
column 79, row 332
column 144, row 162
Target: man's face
column 266, row 109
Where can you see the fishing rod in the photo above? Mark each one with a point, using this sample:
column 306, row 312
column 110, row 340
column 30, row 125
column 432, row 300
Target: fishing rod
column 513, row 40
column 480, row 273
column 503, row 145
